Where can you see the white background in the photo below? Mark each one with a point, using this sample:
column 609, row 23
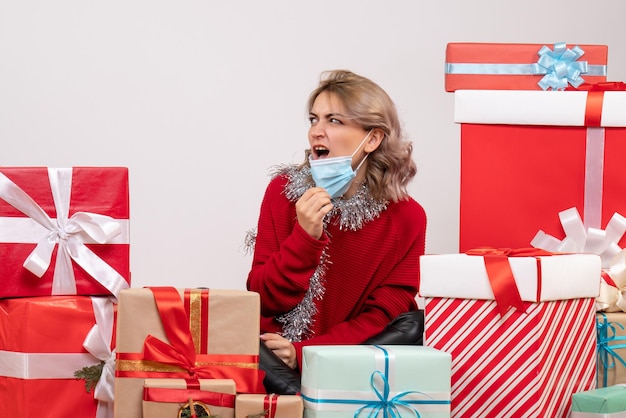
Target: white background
column 201, row 98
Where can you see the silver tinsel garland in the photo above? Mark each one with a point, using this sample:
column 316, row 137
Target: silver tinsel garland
column 349, row 214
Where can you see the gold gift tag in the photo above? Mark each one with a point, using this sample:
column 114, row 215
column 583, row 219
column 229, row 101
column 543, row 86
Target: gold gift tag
column 201, row 410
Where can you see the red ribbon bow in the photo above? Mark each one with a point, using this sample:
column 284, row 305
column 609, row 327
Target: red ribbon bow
column 181, row 350
column 500, row 275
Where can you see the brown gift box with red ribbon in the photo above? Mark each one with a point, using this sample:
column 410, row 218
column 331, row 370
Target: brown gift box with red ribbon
column 163, row 332
column 528, row 156
column 167, row 398
column 268, row 406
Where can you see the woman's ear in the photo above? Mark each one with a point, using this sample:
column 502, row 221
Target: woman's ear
column 373, row 142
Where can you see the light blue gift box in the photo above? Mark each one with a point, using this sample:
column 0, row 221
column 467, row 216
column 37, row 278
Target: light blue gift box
column 348, row 381
column 608, row 402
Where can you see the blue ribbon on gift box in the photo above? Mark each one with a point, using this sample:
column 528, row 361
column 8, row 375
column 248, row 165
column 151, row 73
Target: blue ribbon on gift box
column 606, row 335
column 388, row 406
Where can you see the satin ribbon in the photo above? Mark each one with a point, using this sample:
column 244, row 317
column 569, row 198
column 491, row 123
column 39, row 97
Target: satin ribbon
column 66, row 232
column 501, row 278
column 179, row 357
column 383, row 402
column 579, row 239
column 606, row 335
column 559, row 67
column 98, row 343
column 171, row 395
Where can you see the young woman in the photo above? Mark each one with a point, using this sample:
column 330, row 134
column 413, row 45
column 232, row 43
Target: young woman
column 338, row 238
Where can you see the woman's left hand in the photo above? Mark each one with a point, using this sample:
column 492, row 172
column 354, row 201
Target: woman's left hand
column 282, row 347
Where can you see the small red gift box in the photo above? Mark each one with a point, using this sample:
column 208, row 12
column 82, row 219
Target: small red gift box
column 40, row 354
column 507, row 66
column 64, row 231
column 529, row 156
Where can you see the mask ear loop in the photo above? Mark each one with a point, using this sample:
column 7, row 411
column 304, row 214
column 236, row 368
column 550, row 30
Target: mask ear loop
column 360, row 145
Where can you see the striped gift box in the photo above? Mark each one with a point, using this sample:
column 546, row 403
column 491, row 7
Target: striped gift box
column 525, row 362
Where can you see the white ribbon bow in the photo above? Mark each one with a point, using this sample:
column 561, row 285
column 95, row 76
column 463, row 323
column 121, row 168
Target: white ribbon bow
column 98, row 343
column 69, row 233
column 604, row 243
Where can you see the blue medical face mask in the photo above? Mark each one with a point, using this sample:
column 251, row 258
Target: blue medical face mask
column 335, row 174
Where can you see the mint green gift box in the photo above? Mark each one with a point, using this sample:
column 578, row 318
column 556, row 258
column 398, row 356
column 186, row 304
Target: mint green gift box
column 346, row 381
column 608, row 402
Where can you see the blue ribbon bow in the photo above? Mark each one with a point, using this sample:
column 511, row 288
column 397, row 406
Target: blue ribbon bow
column 560, row 67
column 606, row 334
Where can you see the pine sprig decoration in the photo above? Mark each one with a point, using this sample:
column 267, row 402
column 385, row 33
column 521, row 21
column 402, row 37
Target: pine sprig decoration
column 259, row 415
column 91, row 375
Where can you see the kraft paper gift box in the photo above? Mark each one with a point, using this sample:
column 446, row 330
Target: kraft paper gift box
column 609, row 402
column 44, row 341
column 166, row 398
column 517, row 66
column 401, row 381
column 520, row 328
column 611, row 340
column 164, row 332
column 531, row 159
column 64, row 231
column 268, row 406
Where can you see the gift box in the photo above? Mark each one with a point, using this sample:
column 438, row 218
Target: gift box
column 164, row 332
column 534, row 162
column 520, row 328
column 611, row 340
column 609, row 402
column 40, row 356
column 268, row 406
column 171, row 398
column 509, row 66
column 347, row 380
column 64, row 231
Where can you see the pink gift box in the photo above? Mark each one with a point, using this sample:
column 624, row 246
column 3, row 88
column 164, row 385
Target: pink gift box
column 64, row 231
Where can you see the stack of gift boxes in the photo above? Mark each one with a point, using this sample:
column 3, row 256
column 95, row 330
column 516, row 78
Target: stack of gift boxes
column 64, row 243
column 530, row 308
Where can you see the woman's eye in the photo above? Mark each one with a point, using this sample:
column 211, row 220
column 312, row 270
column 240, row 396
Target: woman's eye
column 312, row 120
column 335, row 120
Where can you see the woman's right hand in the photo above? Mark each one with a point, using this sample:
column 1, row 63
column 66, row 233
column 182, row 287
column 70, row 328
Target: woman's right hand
column 311, row 208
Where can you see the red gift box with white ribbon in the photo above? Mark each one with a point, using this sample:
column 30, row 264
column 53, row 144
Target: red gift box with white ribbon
column 40, row 354
column 64, row 231
column 527, row 156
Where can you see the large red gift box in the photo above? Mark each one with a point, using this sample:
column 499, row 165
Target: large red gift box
column 44, row 341
column 533, row 161
column 164, row 332
column 520, row 328
column 64, row 231
column 510, row 66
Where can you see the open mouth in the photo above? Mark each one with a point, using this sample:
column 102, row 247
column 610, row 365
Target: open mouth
column 320, row 152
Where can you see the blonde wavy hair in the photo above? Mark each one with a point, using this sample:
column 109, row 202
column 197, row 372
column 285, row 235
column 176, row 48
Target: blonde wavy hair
column 390, row 167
